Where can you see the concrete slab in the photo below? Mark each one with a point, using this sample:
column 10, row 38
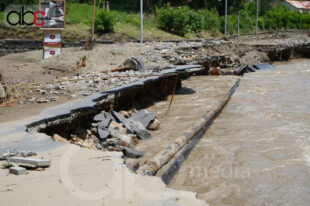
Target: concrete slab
column 30, row 161
column 99, row 117
column 18, row 170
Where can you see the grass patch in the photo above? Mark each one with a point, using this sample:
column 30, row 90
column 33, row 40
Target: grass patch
column 79, row 13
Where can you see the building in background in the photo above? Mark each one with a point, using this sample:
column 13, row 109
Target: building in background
column 298, row 5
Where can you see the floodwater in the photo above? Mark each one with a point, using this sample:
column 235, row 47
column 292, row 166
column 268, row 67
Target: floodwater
column 257, row 152
column 197, row 96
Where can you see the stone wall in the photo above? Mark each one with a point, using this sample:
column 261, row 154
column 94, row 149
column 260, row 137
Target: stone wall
column 18, row 46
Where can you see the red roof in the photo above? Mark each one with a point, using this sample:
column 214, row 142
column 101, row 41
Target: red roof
column 300, row 4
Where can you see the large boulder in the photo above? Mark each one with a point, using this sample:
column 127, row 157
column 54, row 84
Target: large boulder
column 155, row 125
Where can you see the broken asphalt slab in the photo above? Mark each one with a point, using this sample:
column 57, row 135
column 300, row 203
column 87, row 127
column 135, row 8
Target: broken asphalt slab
column 264, row 66
column 244, row 69
column 144, row 117
column 140, row 130
column 103, row 133
column 124, row 121
column 30, row 161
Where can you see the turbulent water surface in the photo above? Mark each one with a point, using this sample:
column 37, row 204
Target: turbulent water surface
column 257, row 152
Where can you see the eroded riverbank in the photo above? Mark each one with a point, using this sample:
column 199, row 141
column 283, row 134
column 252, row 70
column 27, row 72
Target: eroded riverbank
column 257, row 150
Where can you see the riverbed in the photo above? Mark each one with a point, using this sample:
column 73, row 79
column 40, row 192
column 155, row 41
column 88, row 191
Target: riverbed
column 257, row 152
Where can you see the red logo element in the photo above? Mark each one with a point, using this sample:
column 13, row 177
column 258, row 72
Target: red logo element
column 52, row 52
column 52, row 36
column 35, row 18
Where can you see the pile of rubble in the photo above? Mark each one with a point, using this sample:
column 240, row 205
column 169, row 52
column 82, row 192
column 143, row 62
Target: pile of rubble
column 78, row 86
column 115, row 131
column 19, row 162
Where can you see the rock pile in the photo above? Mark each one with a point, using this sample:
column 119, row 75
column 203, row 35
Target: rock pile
column 115, row 131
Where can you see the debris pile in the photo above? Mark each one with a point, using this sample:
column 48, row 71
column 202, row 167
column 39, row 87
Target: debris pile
column 77, row 86
column 18, row 162
column 115, row 131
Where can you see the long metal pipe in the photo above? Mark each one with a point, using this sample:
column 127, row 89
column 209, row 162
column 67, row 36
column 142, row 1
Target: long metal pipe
column 93, row 21
column 225, row 17
column 141, row 21
column 238, row 24
column 256, row 17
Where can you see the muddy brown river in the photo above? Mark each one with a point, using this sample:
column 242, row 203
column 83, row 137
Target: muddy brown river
column 257, row 152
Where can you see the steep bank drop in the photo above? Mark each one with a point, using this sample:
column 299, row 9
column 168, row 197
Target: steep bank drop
column 257, row 152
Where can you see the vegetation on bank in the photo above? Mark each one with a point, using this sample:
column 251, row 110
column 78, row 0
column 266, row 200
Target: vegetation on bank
column 165, row 23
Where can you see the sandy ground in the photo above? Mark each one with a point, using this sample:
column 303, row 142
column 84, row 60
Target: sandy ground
column 82, row 177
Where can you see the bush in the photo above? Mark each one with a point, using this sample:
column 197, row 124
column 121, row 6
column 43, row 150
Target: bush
column 282, row 17
column 79, row 13
column 180, row 20
column 196, row 21
column 105, row 22
column 212, row 20
column 247, row 22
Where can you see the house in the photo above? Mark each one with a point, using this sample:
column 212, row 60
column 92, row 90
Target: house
column 298, row 5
